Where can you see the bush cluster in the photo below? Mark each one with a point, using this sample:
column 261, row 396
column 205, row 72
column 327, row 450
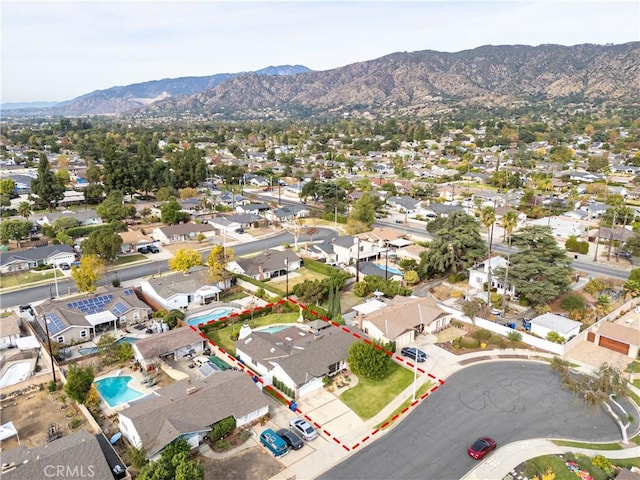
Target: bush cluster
column 222, row 428
column 283, row 388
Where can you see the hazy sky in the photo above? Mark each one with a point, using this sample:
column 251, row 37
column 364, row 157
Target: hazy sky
column 55, row 50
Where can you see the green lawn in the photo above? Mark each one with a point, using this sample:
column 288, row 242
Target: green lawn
column 626, row 462
column 222, row 337
column 421, row 390
column 23, row 279
column 591, row 446
column 633, row 367
column 300, row 276
column 233, row 296
column 136, row 257
column 368, row 397
column 540, row 465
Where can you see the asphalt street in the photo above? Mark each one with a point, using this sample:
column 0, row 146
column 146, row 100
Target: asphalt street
column 66, row 285
column 507, row 401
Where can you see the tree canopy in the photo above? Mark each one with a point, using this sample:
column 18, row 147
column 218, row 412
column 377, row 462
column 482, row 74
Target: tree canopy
column 540, row 271
column 46, row 185
column 184, row 259
column 104, row 243
column 367, row 360
column 88, row 273
column 79, row 381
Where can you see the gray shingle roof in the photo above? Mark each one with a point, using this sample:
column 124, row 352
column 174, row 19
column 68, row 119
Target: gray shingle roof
column 34, row 254
column 268, row 261
column 228, row 393
column 164, row 342
column 79, row 451
column 171, row 285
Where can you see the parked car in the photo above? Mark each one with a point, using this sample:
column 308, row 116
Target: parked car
column 414, row 353
column 65, row 266
column 274, row 443
column 143, row 250
column 153, row 249
column 239, row 230
column 266, row 189
column 481, row 447
column 304, row 428
column 291, row 437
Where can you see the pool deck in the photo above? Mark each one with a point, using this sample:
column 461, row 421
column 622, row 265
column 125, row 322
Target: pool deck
column 32, row 367
column 245, row 303
column 135, row 384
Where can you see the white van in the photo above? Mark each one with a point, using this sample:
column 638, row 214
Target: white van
column 200, row 360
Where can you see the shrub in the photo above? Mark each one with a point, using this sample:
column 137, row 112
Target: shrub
column 495, row 339
column 469, row 342
column 115, row 282
column 52, row 386
column 360, row 289
column 555, row 337
column 223, row 445
column 320, row 267
column 481, row 334
column 74, row 423
column 222, row 428
column 572, row 301
column 514, row 336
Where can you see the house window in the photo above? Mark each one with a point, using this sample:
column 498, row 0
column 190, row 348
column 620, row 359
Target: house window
column 136, row 315
column 60, row 339
column 83, row 334
column 334, row 368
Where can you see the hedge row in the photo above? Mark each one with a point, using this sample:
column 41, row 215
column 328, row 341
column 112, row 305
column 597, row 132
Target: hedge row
column 319, row 267
column 260, row 284
column 76, row 232
column 222, row 428
column 331, row 217
column 283, row 388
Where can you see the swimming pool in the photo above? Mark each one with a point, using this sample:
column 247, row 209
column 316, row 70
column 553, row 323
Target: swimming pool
column 272, row 329
column 393, row 270
column 212, row 315
column 90, row 350
column 115, row 390
column 16, row 373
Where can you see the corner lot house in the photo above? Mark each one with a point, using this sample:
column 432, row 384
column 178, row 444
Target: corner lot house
column 268, row 264
column 550, row 322
column 298, row 358
column 179, row 290
column 24, row 260
column 82, row 319
column 189, row 409
column 174, row 344
column 402, row 320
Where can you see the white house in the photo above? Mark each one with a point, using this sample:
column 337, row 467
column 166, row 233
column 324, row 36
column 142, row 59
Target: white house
column 479, row 276
column 9, row 331
column 11, row 262
column 179, row 290
column 348, row 249
column 297, row 358
column 183, row 232
column 550, row 322
column 188, row 409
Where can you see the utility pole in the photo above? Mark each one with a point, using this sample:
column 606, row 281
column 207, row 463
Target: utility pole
column 357, row 259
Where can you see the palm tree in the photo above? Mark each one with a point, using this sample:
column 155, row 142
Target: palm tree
column 509, row 223
column 24, row 209
column 488, row 219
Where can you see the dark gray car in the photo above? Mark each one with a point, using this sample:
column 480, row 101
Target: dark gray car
column 291, row 437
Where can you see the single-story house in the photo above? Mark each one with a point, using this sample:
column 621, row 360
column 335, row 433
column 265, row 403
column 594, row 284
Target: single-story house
column 83, row 217
column 174, row 344
column 20, row 261
column 180, row 290
column 77, row 455
column 255, row 208
column 268, row 264
column 436, row 209
column 183, row 232
column 404, row 203
column 297, row 358
column 132, row 240
column 550, row 322
column 619, row 338
column 82, row 319
column 247, row 220
column 289, row 212
column 9, row 331
column 402, row 319
column 349, row 248
column 188, row 410
column 223, row 224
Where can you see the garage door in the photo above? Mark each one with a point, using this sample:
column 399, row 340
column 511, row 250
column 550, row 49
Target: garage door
column 614, row 345
column 591, row 337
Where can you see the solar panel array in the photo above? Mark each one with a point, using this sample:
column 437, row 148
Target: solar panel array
column 129, row 291
column 119, row 309
column 89, row 306
column 54, row 324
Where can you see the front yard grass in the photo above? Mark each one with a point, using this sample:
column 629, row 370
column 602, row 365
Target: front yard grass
column 540, row 465
column 222, row 337
column 136, row 257
column 300, row 276
column 368, row 397
column 425, row 387
column 591, row 446
column 23, row 279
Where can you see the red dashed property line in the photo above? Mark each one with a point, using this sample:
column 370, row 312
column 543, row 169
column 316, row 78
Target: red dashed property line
column 297, row 409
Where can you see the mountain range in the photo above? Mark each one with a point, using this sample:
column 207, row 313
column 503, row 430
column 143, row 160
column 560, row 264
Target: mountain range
column 414, row 83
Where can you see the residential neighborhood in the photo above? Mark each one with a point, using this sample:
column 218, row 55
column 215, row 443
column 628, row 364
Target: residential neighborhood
column 321, row 288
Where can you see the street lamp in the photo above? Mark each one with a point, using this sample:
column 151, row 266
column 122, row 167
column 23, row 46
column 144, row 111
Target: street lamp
column 286, row 264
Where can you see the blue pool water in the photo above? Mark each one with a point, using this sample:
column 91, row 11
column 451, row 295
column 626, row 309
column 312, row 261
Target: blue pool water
column 115, row 391
column 393, row 270
column 90, row 350
column 214, row 315
column 274, row 329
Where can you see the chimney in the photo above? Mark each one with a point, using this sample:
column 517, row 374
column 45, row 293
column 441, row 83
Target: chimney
column 359, row 319
column 191, row 390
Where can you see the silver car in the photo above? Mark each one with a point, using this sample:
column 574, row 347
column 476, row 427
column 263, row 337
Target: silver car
column 304, row 428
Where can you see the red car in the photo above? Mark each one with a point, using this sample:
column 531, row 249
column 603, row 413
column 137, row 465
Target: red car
column 481, row 447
